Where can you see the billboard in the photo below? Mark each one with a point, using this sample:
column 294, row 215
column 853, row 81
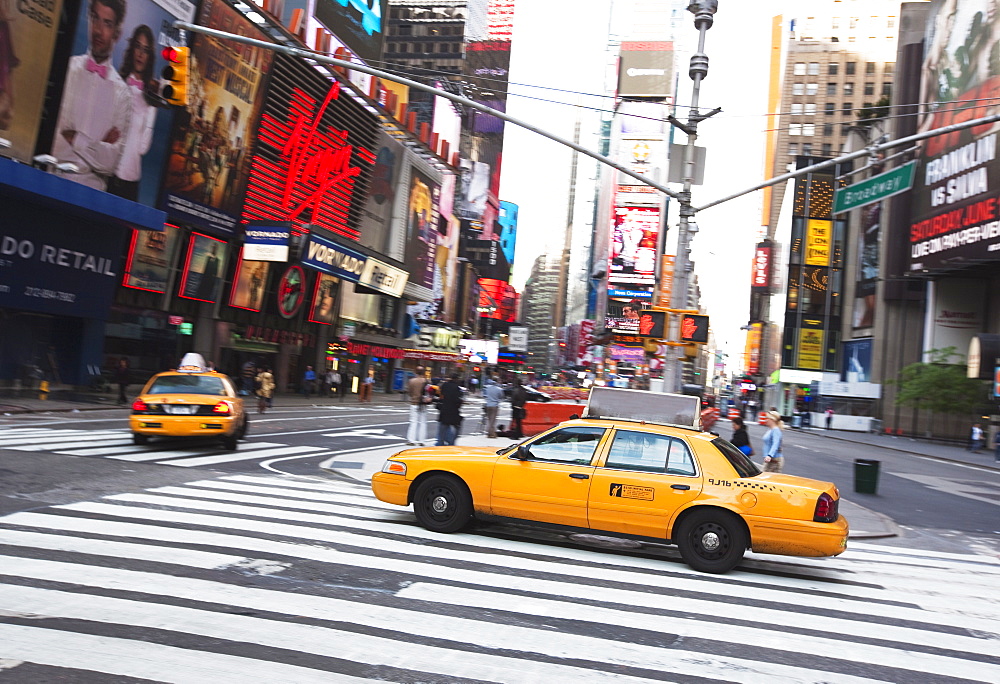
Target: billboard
column 249, row 283
column 324, row 300
column 954, row 197
column 497, row 299
column 150, row 258
column 204, row 266
column 108, row 118
column 213, row 137
column 508, row 229
column 634, row 237
column 517, row 339
column 421, row 228
column 360, row 24
column 868, row 263
column 646, row 69
column 480, row 351
column 473, row 190
column 376, row 219
column 623, row 314
column 27, row 36
column 857, row 361
column 647, row 156
column 266, row 243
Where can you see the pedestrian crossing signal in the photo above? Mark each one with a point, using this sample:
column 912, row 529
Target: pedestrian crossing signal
column 175, row 73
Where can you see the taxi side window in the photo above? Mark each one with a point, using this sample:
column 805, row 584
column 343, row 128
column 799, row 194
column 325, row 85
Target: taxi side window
column 649, row 453
column 570, row 445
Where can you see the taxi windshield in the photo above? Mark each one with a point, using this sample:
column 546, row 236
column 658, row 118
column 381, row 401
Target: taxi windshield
column 740, row 461
column 187, row 384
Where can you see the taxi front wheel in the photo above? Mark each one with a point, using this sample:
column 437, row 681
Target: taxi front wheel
column 711, row 541
column 442, row 504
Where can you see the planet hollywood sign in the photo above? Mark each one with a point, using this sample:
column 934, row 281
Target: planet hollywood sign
column 259, row 333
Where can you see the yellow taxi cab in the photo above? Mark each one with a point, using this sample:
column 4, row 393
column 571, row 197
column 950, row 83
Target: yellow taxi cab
column 658, row 480
column 190, row 401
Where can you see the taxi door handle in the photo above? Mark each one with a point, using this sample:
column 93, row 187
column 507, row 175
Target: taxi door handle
column 679, row 487
column 579, row 476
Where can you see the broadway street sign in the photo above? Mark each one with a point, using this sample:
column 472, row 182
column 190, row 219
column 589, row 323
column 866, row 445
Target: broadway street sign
column 874, row 189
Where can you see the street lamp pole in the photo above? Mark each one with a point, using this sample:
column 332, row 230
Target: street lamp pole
column 704, row 13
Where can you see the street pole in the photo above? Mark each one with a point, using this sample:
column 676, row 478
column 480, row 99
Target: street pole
column 704, row 12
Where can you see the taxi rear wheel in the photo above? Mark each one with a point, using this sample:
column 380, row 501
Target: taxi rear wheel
column 139, row 439
column 711, row 541
column 442, row 504
column 231, row 442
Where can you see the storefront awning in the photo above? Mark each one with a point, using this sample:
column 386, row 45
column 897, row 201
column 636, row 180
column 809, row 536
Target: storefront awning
column 34, row 185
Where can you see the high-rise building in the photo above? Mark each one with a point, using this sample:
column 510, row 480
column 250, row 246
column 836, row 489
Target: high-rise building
column 541, row 294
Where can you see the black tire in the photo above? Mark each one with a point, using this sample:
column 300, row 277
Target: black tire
column 711, row 541
column 244, row 428
column 231, row 442
column 442, row 504
column 139, row 439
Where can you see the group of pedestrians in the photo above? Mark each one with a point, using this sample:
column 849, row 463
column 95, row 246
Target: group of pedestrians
column 774, row 459
column 447, row 398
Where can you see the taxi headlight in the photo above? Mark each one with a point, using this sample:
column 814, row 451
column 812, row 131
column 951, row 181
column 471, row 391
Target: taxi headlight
column 394, row 468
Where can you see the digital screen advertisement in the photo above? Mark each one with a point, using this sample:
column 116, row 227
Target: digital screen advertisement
column 634, row 237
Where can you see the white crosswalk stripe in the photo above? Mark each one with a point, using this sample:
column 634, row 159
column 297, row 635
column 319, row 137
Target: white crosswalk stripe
column 117, row 445
column 302, row 580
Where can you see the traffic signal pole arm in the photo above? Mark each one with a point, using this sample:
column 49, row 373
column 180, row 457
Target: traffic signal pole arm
column 322, row 58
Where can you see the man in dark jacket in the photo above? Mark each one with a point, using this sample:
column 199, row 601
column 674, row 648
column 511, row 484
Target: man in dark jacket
column 518, row 397
column 449, row 414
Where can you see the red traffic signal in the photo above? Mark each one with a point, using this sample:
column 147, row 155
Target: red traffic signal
column 171, row 54
column 175, row 75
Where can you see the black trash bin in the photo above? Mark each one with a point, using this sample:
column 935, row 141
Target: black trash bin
column 866, row 476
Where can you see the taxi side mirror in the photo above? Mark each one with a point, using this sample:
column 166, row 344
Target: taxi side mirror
column 521, row 453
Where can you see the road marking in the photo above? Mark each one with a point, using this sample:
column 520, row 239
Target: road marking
column 147, row 455
column 239, row 456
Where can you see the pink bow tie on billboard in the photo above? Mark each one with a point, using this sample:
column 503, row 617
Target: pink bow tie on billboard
column 99, row 69
column 136, row 82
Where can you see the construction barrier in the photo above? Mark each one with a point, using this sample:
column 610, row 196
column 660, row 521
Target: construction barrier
column 541, row 416
column 733, row 412
column 762, row 418
column 709, row 417
column 566, row 393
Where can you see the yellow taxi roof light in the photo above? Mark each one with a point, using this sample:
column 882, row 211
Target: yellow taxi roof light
column 192, row 362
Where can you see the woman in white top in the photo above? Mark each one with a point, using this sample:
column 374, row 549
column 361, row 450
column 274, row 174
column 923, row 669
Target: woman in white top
column 137, row 72
column 773, row 458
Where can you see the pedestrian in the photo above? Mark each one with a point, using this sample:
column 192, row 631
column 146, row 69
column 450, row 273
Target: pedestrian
column 518, row 397
column 493, row 394
column 308, row 381
column 417, row 391
column 740, row 439
column 366, row 387
column 123, row 377
column 829, row 417
column 976, row 439
column 996, row 446
column 474, row 384
column 247, row 374
column 334, row 380
column 773, row 458
column 449, row 411
column 345, row 384
column 265, row 389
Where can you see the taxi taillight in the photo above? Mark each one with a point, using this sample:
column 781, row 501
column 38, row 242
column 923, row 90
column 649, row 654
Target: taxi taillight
column 223, row 408
column 826, row 509
column 139, row 406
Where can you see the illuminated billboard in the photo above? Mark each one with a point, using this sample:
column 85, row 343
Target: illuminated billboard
column 360, row 24
column 646, row 69
column 480, row 351
column 634, row 237
column 150, row 258
column 249, row 283
column 497, row 299
column 204, row 266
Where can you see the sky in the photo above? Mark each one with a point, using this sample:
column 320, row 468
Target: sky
column 567, row 51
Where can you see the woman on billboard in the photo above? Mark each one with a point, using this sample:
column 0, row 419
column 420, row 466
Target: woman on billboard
column 137, row 72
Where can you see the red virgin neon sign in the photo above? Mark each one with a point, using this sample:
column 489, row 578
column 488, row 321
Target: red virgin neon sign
column 312, row 180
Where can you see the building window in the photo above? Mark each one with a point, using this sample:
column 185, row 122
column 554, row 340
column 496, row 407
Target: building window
column 403, row 47
column 812, row 89
column 887, row 89
column 845, row 128
column 405, row 30
column 852, row 39
column 869, row 67
column 831, row 88
column 869, row 88
column 889, row 67
column 828, row 129
column 809, row 109
column 794, row 129
column 798, row 89
column 890, row 22
column 796, row 110
column 799, row 69
column 827, row 149
column 848, row 89
column 808, row 129
column 847, row 108
column 813, row 68
column 835, row 23
column 807, row 149
column 793, row 149
column 830, row 108
column 849, row 68
column 832, row 68
column 853, row 22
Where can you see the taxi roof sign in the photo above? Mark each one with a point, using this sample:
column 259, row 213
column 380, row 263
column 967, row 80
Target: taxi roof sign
column 192, row 362
column 681, row 410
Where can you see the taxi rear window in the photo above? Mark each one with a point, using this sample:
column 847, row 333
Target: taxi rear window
column 187, row 384
column 740, row 461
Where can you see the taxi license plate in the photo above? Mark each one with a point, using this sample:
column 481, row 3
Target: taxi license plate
column 180, row 410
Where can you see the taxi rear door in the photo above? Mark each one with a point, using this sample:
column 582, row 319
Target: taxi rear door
column 553, row 484
column 645, row 478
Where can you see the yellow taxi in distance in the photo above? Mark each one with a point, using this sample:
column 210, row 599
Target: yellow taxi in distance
column 626, row 477
column 190, row 401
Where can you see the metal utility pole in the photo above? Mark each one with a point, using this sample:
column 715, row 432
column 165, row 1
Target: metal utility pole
column 704, row 13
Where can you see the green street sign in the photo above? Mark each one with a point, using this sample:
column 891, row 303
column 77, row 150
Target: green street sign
column 874, row 189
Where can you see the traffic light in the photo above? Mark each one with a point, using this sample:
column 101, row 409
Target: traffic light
column 175, row 74
column 694, row 328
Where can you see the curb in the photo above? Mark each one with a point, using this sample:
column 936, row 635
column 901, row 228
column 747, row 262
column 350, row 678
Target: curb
column 915, row 453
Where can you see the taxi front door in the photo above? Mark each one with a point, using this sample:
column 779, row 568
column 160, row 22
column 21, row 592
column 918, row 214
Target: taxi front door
column 553, row 484
column 646, row 478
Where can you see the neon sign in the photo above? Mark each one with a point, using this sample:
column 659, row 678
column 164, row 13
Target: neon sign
column 311, row 179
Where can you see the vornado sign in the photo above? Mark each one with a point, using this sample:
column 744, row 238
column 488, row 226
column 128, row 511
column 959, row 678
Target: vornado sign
column 341, row 261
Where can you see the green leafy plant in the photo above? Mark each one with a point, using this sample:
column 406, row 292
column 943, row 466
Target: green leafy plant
column 939, row 386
